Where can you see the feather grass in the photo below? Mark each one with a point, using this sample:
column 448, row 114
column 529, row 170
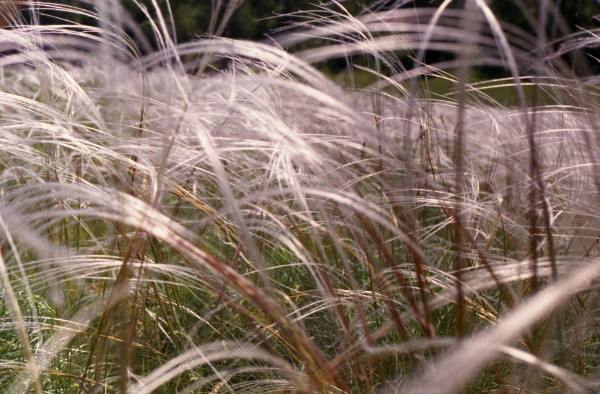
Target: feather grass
column 219, row 215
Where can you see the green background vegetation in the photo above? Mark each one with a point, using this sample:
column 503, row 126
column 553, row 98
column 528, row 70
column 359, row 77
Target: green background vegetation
column 255, row 18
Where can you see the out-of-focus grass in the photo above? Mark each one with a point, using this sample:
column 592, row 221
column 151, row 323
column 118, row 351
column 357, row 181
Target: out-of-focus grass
column 485, row 88
column 233, row 216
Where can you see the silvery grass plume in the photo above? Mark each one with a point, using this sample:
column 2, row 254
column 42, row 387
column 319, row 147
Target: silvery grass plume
column 220, row 216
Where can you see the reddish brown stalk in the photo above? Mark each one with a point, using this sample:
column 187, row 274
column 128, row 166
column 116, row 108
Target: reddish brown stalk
column 422, row 316
column 419, row 262
column 8, row 11
column 459, row 166
column 313, row 359
column 118, row 290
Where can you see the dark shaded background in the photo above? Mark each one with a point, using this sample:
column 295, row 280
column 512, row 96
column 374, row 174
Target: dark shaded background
column 257, row 19
column 254, row 18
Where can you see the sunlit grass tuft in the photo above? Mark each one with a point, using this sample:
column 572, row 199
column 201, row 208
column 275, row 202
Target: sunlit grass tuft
column 222, row 216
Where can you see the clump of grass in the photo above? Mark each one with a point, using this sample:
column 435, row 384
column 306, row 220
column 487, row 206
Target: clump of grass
column 221, row 216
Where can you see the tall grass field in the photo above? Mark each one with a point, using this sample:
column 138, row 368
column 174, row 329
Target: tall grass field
column 232, row 216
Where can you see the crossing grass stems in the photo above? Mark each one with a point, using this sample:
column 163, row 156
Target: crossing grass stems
column 220, row 216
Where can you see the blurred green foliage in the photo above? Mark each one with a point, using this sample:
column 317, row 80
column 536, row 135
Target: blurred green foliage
column 255, row 18
column 252, row 20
